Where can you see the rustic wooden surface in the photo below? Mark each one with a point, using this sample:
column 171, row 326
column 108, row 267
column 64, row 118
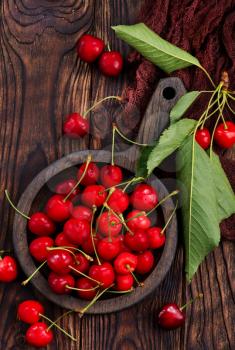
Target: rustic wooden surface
column 41, row 80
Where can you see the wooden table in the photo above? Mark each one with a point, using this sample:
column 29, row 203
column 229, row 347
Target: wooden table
column 41, row 81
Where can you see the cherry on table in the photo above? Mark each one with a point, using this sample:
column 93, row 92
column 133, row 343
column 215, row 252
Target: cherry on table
column 145, row 262
column 8, row 269
column 137, row 219
column 30, row 311
column 125, row 263
column 76, row 126
column 118, row 201
column 171, row 317
column 203, row 137
column 108, row 249
column 109, row 224
column 38, row 248
column 57, row 209
column 59, row 283
column 77, row 230
column 111, row 63
column 91, row 176
column 103, row 273
column 144, row 197
column 94, row 195
column 89, row 48
column 225, row 134
column 124, row 282
column 59, row 261
column 38, row 335
column 110, row 175
column 156, row 237
column 137, row 241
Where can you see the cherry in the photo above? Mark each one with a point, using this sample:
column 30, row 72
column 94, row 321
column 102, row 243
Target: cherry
column 85, row 283
column 40, row 224
column 125, row 263
column 94, row 195
column 59, row 261
column 203, row 137
column 171, row 316
column 103, row 273
column 77, row 230
column 38, row 248
column 65, row 187
column 62, row 241
column 108, row 249
column 124, row 282
column 109, row 224
column 118, row 201
column 111, row 63
column 145, row 262
column 82, row 212
column 91, row 176
column 137, row 219
column 58, row 209
column 156, row 237
column 39, row 335
column 30, row 311
column 87, row 246
column 110, row 175
column 137, row 241
column 81, row 263
column 89, row 48
column 8, row 269
column 58, row 283
column 144, row 197
column 225, row 136
column 76, row 126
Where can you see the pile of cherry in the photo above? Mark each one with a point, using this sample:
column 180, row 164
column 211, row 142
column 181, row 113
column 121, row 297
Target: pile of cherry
column 106, row 239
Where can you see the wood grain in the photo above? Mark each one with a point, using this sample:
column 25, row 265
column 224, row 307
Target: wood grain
column 42, row 80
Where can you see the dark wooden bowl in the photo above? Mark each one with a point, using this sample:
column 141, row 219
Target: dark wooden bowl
column 127, row 161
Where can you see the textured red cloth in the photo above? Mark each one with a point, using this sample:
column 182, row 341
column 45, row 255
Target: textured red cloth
column 205, row 28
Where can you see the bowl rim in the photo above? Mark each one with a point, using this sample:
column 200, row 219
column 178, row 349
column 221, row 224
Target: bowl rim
column 39, row 281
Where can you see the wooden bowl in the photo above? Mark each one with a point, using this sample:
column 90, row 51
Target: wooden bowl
column 127, row 161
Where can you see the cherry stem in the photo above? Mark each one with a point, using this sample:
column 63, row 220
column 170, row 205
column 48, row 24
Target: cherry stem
column 88, row 257
column 99, row 102
column 169, row 219
column 191, row 301
column 81, row 289
column 126, row 138
column 204, row 115
column 63, row 248
column 229, row 107
column 140, row 284
column 14, row 207
column 111, row 190
column 120, row 217
column 174, row 193
column 113, row 145
column 108, row 46
column 120, row 291
column 33, row 274
column 84, row 275
column 60, row 317
column 5, row 251
column 56, row 325
column 92, row 238
column 207, row 74
column 81, row 178
column 134, row 179
column 98, row 295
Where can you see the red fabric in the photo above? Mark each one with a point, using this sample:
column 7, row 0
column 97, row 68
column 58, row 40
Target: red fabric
column 207, row 30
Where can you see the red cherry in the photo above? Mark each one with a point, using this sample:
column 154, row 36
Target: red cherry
column 107, row 249
column 38, row 335
column 65, row 187
column 137, row 219
column 145, row 262
column 81, row 263
column 110, row 175
column 124, row 263
column 91, row 176
column 40, row 224
column 118, row 201
column 29, row 311
column 89, row 48
column 8, row 269
column 77, row 230
column 203, row 138
column 58, row 209
column 94, row 195
column 225, row 137
column 87, row 246
column 76, row 126
column 124, row 282
column 85, row 283
column 59, row 260
column 82, row 212
column 137, row 241
column 156, row 237
column 38, row 248
column 111, row 63
column 103, row 273
column 58, row 283
column 62, row 241
column 109, row 224
column 144, row 197
column 171, row 316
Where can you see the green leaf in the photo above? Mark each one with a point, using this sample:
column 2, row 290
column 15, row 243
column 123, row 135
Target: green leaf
column 224, row 192
column 182, row 105
column 157, row 50
column 169, row 141
column 141, row 167
column 199, row 204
